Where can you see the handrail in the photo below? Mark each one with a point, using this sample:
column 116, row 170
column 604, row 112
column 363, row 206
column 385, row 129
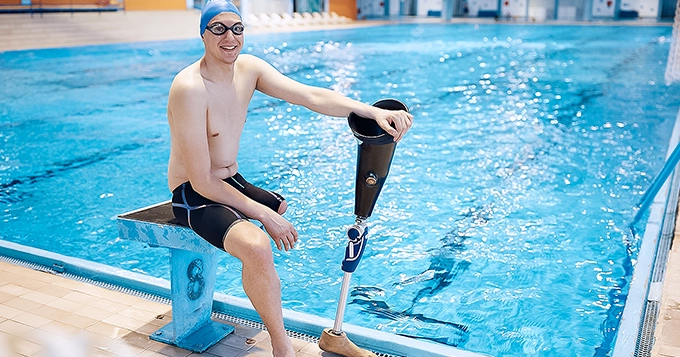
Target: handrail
column 656, row 185
column 42, row 6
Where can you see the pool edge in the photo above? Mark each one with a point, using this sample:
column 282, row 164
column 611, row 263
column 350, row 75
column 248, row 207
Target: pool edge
column 633, row 319
column 296, row 322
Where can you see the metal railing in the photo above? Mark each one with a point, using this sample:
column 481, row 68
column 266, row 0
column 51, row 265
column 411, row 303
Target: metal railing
column 72, row 6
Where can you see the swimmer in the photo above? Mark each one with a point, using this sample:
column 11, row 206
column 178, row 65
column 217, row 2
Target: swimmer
column 207, row 108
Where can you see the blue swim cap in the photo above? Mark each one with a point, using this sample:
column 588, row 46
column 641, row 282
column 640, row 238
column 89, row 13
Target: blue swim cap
column 215, row 7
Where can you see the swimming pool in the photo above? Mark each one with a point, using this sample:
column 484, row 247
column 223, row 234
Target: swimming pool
column 502, row 228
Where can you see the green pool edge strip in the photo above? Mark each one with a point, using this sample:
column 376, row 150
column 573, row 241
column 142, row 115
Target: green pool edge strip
column 297, row 322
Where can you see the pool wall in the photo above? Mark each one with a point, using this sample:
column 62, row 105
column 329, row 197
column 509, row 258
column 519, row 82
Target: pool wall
column 635, row 329
column 298, row 322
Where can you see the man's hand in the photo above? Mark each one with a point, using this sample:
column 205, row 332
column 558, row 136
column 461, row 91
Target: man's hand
column 394, row 122
column 282, row 232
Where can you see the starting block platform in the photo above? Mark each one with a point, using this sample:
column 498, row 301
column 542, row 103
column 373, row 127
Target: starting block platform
column 193, row 264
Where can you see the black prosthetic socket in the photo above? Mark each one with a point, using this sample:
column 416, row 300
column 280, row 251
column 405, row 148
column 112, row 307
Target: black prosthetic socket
column 376, row 149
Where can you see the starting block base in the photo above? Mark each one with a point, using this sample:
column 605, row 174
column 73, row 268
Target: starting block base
column 198, row 341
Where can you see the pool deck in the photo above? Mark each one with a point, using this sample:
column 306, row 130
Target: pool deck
column 40, row 312
column 667, row 333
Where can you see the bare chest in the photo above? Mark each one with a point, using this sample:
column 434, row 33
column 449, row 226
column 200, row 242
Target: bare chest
column 227, row 110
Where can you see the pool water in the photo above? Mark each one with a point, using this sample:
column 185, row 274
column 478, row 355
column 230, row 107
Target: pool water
column 502, row 227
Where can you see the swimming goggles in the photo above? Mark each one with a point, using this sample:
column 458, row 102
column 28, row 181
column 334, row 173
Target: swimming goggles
column 219, row 28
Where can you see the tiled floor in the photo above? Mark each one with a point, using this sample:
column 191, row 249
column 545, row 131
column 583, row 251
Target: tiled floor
column 45, row 315
column 667, row 333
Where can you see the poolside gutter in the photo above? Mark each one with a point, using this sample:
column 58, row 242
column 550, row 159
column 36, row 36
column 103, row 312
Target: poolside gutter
column 636, row 328
column 159, row 290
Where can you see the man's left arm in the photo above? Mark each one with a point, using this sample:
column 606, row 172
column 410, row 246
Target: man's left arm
column 325, row 101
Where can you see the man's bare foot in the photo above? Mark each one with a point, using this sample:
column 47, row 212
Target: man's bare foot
column 283, row 348
column 287, row 354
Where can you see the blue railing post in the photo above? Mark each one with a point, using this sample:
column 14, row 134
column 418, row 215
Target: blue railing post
column 658, row 182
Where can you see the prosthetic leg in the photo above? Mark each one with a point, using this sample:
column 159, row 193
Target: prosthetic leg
column 376, row 149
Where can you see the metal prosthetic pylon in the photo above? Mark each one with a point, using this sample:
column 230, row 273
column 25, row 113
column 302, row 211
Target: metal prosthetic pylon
column 335, row 340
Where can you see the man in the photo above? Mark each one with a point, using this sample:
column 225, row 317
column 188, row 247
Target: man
column 207, row 108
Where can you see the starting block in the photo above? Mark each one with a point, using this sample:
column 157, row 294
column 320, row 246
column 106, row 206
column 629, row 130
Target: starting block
column 193, row 264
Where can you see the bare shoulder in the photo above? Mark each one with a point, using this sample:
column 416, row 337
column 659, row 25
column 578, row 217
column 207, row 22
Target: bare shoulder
column 187, row 91
column 251, row 63
column 188, row 81
column 259, row 70
column 246, row 58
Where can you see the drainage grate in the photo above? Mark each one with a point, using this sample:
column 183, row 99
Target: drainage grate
column 292, row 334
column 645, row 338
column 101, row 284
column 156, row 298
column 26, row 264
column 240, row 321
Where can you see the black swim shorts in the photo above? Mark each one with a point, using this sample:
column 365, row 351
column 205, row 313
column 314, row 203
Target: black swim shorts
column 212, row 220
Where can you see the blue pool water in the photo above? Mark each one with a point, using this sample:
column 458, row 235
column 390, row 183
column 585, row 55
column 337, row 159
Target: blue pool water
column 502, row 227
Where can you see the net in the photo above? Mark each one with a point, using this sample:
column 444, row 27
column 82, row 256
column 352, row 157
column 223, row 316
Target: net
column 673, row 66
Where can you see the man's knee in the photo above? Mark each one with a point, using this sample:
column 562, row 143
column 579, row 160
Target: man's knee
column 247, row 242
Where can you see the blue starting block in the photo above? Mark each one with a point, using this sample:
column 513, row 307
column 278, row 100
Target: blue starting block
column 193, row 265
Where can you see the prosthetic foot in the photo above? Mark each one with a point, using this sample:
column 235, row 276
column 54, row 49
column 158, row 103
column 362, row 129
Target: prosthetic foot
column 340, row 344
column 376, row 149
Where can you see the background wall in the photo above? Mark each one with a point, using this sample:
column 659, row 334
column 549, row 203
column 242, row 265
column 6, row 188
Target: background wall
column 370, row 8
column 344, row 8
column 476, row 5
column 537, row 10
column 645, row 8
column 428, row 5
column 394, row 8
column 570, row 10
column 514, row 8
column 603, row 8
column 540, row 10
column 270, row 6
column 155, row 4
